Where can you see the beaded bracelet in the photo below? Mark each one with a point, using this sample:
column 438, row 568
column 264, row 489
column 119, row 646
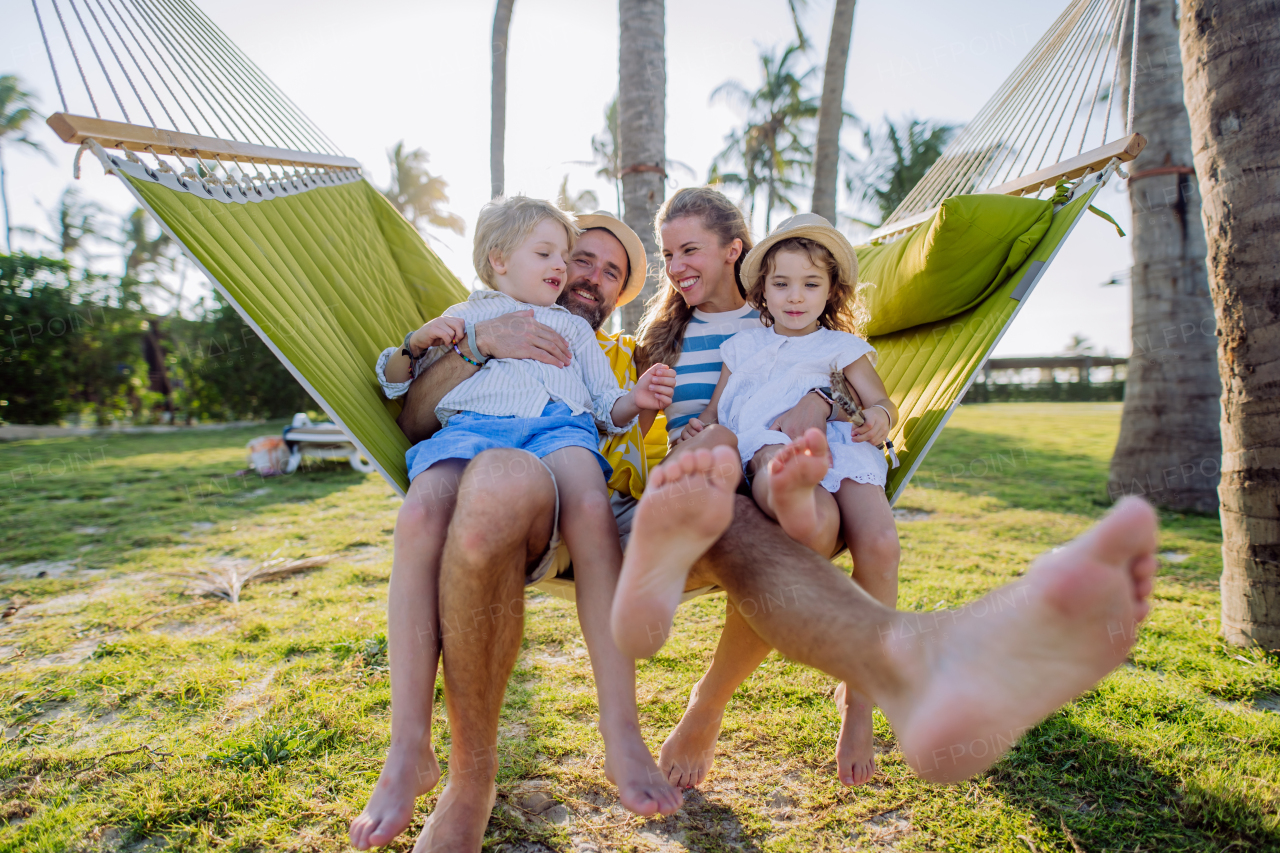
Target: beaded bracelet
column 464, row 357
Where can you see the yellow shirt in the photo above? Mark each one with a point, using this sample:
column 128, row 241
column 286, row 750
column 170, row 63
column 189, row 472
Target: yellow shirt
column 631, row 455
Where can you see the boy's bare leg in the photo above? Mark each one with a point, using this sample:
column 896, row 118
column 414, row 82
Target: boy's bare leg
column 785, row 483
column 871, row 533
column 590, row 531
column 687, row 504
column 689, row 751
column 959, row 687
column 413, row 642
column 502, row 522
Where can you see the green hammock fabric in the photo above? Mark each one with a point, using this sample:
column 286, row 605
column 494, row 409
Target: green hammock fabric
column 333, row 275
column 330, row 277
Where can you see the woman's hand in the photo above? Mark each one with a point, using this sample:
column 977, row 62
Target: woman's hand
column 875, row 428
column 811, row 412
column 518, row 335
column 441, row 331
column 654, row 389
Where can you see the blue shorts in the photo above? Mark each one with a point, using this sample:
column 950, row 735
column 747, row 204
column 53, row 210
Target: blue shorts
column 469, row 434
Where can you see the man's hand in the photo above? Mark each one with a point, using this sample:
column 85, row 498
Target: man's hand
column 810, row 413
column 518, row 335
column 876, row 427
column 442, row 331
column 654, row 389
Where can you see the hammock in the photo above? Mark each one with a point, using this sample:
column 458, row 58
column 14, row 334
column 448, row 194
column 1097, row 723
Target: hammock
column 326, row 272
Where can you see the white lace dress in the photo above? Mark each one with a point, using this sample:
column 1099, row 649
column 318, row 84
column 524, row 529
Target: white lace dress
column 771, row 372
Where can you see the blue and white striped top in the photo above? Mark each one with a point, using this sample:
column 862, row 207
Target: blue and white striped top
column 698, row 368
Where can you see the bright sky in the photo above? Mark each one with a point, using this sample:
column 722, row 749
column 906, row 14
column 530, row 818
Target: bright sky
column 373, row 73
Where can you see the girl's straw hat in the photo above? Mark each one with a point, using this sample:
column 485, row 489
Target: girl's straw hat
column 809, row 226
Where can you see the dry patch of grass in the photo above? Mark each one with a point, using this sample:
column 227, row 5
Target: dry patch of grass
column 136, row 718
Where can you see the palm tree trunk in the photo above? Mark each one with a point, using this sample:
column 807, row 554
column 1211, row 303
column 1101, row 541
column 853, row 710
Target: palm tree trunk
column 498, row 97
column 1230, row 66
column 1169, row 438
column 826, row 158
column 642, row 136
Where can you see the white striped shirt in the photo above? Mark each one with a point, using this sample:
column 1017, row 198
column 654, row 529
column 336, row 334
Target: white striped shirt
column 698, row 367
column 522, row 387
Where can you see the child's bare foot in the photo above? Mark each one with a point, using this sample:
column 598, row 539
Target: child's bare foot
column 690, row 749
column 406, row 775
column 973, row 680
column 459, row 819
column 642, row 788
column 794, row 472
column 687, row 505
column 856, row 749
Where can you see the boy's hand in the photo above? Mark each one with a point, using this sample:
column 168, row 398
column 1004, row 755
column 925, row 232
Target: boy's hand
column 654, row 389
column 441, row 331
column 876, row 427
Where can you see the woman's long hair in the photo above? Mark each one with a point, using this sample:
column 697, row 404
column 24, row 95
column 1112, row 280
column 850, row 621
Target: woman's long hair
column 661, row 333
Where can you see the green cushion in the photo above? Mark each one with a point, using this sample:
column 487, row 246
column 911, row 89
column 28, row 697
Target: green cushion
column 952, row 262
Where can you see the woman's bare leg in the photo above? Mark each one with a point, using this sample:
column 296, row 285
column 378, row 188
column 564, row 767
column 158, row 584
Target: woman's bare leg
column 590, row 531
column 413, row 648
column 872, row 536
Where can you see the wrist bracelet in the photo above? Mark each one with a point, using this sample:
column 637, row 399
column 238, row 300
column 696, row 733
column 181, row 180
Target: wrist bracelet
column 825, row 394
column 473, row 346
column 886, row 413
column 463, row 356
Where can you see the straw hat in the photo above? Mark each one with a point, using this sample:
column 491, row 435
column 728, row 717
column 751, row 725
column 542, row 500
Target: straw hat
column 809, row 226
column 638, row 261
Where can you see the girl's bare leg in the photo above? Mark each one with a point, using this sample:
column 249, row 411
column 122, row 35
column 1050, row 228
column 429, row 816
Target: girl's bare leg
column 688, row 752
column 872, row 535
column 413, row 644
column 590, row 531
column 785, row 483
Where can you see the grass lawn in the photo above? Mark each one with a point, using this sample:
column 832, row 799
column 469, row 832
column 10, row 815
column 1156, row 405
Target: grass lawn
column 140, row 718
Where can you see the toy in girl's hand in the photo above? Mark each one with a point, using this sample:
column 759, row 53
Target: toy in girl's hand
column 844, row 397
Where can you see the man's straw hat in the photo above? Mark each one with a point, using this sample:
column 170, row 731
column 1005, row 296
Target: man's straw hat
column 638, row 261
column 810, row 226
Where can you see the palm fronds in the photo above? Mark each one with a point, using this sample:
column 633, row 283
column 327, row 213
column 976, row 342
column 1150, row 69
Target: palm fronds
column 227, row 581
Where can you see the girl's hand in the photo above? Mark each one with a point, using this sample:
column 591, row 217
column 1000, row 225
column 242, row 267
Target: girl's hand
column 441, row 331
column 876, row 427
column 692, row 428
column 655, row 388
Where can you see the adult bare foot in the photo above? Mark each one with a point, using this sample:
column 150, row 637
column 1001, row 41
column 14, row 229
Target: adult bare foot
column 407, row 774
column 690, row 749
column 687, row 505
column 642, row 788
column 794, row 472
column 459, row 819
column 855, row 749
column 973, row 680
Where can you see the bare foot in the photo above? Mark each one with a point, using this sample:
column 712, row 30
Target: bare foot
column 856, row 749
column 642, row 788
column 687, row 505
column 407, row 774
column 973, row 680
column 459, row 819
column 794, row 472
column 690, row 749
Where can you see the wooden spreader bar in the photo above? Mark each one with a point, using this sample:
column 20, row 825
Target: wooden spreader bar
column 113, row 134
column 1093, row 161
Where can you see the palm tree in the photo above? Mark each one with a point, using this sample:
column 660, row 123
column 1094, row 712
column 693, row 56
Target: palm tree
column 642, row 120
column 418, row 194
column 831, row 113
column 498, row 97
column 1233, row 103
column 15, row 112
column 604, row 146
column 896, row 162
column 583, row 202
column 772, row 150
column 1171, row 408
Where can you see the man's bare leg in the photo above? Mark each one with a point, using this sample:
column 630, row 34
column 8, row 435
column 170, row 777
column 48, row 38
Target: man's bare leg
column 687, row 504
column 590, row 531
column 959, row 687
column 413, row 641
column 501, row 523
column 871, row 533
column 689, row 751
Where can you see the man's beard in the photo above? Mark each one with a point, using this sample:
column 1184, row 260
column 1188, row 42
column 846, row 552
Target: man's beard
column 594, row 314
